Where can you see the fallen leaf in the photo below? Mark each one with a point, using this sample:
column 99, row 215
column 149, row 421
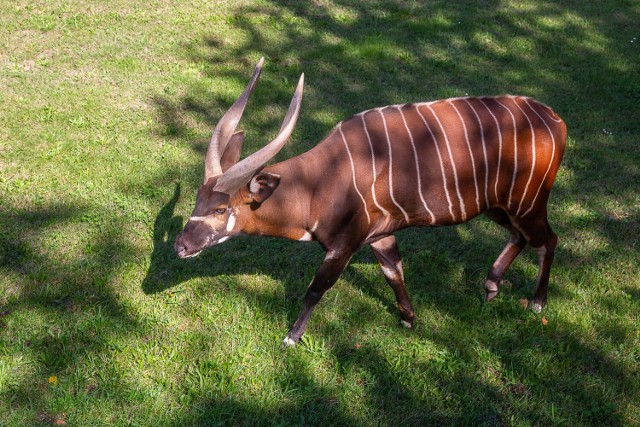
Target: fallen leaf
column 544, row 321
column 524, row 303
column 53, row 380
column 358, row 346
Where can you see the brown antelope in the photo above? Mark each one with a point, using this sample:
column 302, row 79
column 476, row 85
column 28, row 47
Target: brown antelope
column 424, row 164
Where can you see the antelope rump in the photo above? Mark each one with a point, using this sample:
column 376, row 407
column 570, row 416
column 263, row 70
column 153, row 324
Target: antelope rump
column 423, row 164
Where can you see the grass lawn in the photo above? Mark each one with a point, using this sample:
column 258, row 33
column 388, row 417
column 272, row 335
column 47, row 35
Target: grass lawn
column 106, row 109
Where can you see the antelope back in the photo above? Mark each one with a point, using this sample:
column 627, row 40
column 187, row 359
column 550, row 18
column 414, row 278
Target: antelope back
column 445, row 162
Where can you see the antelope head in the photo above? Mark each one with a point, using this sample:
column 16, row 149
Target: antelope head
column 230, row 183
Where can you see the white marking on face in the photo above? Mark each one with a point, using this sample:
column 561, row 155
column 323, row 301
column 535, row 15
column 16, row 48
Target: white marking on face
column 484, row 152
column 533, row 150
column 192, row 255
column 254, row 187
column 231, row 222
column 214, row 223
column 353, row 174
column 473, row 161
column 553, row 152
column 406, row 324
column 393, row 199
column 453, row 165
column 515, row 151
column 415, row 156
column 211, row 220
column 373, row 165
column 444, row 176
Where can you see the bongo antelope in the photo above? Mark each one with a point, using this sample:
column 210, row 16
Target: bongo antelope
column 423, row 164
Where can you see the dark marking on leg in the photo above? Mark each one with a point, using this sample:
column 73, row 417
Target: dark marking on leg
column 388, row 256
column 329, row 271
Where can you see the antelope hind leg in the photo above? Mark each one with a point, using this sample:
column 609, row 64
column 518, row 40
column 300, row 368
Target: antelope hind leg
column 545, row 253
column 542, row 238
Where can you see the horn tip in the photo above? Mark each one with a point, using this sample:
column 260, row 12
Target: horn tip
column 260, row 62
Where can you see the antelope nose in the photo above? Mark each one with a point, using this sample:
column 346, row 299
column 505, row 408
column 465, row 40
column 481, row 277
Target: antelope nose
column 180, row 247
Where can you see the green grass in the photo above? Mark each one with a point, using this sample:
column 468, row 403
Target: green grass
column 106, row 110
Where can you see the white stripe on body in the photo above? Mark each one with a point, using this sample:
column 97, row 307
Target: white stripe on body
column 415, row 156
column 515, row 151
column 386, row 131
column 484, row 152
column 553, row 152
column 353, row 173
column 495, row 119
column 473, row 162
column 546, row 110
column 444, row 176
column 533, row 166
column 455, row 172
column 373, row 165
column 397, row 106
column 457, row 98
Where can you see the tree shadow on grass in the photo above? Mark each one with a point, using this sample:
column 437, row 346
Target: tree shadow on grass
column 49, row 301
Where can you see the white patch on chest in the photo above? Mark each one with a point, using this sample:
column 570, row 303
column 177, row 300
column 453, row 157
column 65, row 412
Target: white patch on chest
column 306, row 237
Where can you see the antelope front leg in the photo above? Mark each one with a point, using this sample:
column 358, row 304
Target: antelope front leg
column 388, row 256
column 513, row 248
column 333, row 265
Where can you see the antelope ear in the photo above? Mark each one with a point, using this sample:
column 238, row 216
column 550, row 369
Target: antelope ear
column 232, row 152
column 262, row 185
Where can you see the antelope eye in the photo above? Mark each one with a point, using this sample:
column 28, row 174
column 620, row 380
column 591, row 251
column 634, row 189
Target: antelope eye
column 220, row 211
